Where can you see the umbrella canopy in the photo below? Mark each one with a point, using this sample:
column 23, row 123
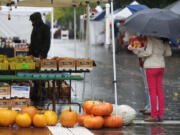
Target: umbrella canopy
column 175, row 7
column 155, row 22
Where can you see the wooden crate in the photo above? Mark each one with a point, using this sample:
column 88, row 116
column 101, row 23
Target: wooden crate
column 21, row 51
column 66, row 64
column 84, row 64
column 48, row 65
column 18, row 103
column 5, row 92
column 4, row 66
column 5, row 103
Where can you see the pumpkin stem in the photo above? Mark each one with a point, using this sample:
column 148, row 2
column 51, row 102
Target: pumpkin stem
column 70, row 108
column 10, row 106
column 41, row 112
column 20, row 112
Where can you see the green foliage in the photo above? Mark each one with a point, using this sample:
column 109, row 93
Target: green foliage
column 65, row 15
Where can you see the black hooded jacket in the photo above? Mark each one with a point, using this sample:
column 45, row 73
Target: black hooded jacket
column 40, row 37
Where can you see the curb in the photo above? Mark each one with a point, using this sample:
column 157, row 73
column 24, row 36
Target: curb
column 165, row 122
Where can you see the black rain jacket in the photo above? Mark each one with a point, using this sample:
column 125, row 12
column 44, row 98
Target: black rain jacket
column 40, row 37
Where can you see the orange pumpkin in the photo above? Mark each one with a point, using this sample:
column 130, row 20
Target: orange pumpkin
column 14, row 114
column 23, row 120
column 39, row 120
column 68, row 118
column 31, row 110
column 7, row 117
column 81, row 119
column 87, row 106
column 113, row 121
column 52, row 118
column 102, row 109
column 93, row 122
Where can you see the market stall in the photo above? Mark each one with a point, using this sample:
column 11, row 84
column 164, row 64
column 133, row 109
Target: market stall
column 19, row 19
column 15, row 28
column 48, row 65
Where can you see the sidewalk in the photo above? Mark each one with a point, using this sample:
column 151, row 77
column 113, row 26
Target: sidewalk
column 165, row 122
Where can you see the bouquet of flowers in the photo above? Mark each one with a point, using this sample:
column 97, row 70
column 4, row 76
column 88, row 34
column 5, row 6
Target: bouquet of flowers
column 138, row 43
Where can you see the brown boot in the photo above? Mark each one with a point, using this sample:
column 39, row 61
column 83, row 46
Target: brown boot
column 151, row 119
column 147, row 112
column 161, row 119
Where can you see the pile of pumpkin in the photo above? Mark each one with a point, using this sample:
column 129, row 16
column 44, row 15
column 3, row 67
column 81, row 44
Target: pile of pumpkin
column 27, row 116
column 98, row 114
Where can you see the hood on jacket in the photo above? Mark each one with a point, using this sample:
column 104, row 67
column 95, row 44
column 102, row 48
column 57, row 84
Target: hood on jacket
column 36, row 19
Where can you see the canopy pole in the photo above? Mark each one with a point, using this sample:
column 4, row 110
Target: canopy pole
column 108, row 33
column 114, row 57
column 75, row 39
column 52, row 30
column 87, row 32
column 75, row 44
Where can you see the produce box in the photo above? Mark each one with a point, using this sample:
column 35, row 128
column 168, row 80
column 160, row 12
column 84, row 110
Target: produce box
column 4, row 66
column 18, row 103
column 48, row 64
column 22, row 66
column 4, row 91
column 84, row 64
column 21, row 51
column 5, row 103
column 21, row 63
column 20, row 91
column 66, row 64
column 3, row 63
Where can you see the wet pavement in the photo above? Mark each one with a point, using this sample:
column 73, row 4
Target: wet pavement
column 125, row 130
column 130, row 87
column 141, row 130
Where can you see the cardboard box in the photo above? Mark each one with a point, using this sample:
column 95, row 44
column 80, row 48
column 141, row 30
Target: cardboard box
column 66, row 64
column 5, row 92
column 5, row 103
column 17, row 104
column 48, row 65
column 20, row 91
column 84, row 64
column 21, row 51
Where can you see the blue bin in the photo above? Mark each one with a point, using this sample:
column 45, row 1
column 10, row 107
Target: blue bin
column 36, row 75
column 51, row 75
column 44, row 75
column 58, row 75
column 21, row 74
column 66, row 75
column 28, row 74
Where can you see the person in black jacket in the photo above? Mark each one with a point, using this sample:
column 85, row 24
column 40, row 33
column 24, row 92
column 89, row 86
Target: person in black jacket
column 39, row 47
column 40, row 37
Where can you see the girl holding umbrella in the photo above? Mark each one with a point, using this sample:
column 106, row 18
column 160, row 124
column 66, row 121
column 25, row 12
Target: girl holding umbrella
column 155, row 49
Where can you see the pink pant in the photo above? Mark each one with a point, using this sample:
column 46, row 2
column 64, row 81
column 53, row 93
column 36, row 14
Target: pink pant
column 154, row 78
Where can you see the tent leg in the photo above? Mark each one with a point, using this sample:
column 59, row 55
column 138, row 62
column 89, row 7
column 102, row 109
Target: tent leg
column 52, row 30
column 114, row 58
column 87, row 52
column 75, row 44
